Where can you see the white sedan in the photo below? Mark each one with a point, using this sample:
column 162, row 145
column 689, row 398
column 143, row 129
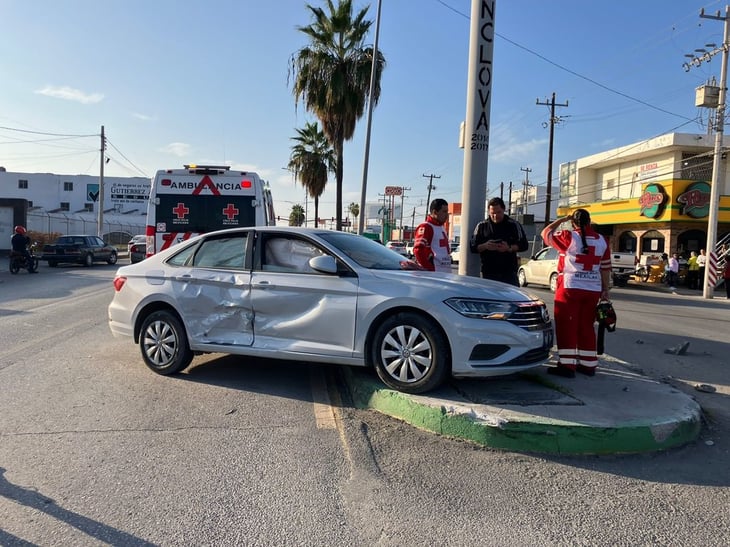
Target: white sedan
column 327, row 297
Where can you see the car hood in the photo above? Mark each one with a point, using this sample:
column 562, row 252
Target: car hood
column 456, row 285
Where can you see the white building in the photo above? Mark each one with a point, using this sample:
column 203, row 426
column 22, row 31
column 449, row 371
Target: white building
column 47, row 202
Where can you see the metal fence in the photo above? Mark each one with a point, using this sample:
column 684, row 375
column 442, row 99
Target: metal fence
column 79, row 223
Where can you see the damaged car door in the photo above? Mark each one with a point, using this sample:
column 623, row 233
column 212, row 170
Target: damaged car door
column 297, row 308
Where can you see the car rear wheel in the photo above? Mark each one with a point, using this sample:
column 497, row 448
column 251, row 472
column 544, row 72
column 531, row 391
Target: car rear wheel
column 522, row 278
column 410, row 353
column 554, row 282
column 164, row 344
column 88, row 260
column 112, row 258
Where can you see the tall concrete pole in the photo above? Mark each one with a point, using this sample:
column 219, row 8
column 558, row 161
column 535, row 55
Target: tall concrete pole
column 366, row 160
column 476, row 127
column 711, row 269
column 100, row 212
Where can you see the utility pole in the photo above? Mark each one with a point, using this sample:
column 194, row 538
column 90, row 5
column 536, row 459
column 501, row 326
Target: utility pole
column 366, row 160
column 100, row 212
column 711, row 269
column 509, row 198
column 430, row 187
column 525, row 186
column 402, row 199
column 553, row 121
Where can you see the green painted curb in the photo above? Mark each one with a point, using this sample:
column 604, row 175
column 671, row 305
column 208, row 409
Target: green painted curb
column 545, row 437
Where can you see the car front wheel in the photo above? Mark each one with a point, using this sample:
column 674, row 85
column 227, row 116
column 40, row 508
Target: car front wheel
column 410, row 353
column 112, row 259
column 554, row 282
column 88, row 260
column 164, row 344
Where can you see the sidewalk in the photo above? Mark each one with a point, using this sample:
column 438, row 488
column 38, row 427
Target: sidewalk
column 617, row 411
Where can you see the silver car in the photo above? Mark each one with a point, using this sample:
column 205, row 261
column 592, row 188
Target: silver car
column 327, row 297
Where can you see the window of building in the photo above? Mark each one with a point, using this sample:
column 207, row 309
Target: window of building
column 22, row 183
column 696, row 167
column 65, row 206
column 610, row 183
column 88, row 206
column 30, row 204
column 68, row 186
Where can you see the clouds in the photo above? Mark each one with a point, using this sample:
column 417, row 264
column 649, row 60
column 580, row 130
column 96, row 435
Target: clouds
column 179, row 149
column 508, row 147
column 70, row 94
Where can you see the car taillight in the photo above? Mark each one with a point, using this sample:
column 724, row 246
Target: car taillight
column 119, row 282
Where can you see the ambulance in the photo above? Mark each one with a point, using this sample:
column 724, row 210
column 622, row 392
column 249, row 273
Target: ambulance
column 203, row 198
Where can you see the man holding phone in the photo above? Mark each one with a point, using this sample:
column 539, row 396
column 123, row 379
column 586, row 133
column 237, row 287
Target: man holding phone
column 498, row 239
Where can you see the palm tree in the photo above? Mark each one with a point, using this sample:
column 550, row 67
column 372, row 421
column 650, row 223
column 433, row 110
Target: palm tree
column 310, row 161
column 332, row 75
column 296, row 217
column 354, row 209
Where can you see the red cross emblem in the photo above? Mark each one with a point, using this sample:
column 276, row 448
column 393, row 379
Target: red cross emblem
column 230, row 211
column 181, row 211
column 588, row 260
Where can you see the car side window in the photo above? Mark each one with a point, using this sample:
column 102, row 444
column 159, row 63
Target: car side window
column 283, row 254
column 224, row 252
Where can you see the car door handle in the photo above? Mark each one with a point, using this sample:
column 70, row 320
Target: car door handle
column 264, row 285
column 184, row 277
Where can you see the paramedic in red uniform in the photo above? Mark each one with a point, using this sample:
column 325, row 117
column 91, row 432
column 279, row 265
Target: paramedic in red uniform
column 584, row 270
column 431, row 245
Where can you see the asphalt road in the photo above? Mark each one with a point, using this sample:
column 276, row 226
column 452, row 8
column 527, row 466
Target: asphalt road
column 96, row 449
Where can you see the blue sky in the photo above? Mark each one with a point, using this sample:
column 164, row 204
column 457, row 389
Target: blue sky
column 193, row 81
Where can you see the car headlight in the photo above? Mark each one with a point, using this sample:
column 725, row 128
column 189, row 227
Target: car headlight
column 481, row 309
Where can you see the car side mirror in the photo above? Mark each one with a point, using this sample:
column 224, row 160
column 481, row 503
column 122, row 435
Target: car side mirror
column 323, row 264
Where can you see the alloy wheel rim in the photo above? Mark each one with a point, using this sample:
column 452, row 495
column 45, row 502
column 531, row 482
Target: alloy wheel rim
column 406, row 354
column 159, row 343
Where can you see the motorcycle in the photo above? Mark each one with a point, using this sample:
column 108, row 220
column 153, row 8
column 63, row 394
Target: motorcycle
column 18, row 261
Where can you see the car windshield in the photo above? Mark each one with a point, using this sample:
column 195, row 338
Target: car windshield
column 366, row 252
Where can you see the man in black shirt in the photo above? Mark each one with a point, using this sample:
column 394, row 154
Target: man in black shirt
column 498, row 239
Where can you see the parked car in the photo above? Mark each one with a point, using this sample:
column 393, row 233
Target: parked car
column 541, row 269
column 324, row 296
column 134, row 240
column 137, row 252
column 455, row 254
column 409, row 249
column 397, row 246
column 79, row 249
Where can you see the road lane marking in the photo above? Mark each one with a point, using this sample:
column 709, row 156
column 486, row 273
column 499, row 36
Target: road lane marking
column 323, row 411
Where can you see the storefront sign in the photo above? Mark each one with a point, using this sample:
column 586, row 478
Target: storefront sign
column 653, row 201
column 695, row 201
column 648, row 170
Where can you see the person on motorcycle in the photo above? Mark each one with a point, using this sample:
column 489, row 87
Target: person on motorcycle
column 20, row 243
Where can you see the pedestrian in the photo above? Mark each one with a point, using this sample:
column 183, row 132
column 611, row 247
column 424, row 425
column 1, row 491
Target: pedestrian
column 702, row 263
column 726, row 276
column 498, row 239
column 693, row 271
column 584, row 273
column 431, row 248
column 673, row 271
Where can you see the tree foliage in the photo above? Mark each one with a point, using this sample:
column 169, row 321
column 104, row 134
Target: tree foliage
column 331, row 75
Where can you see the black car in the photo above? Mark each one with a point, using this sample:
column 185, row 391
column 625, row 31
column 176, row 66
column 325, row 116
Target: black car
column 79, row 249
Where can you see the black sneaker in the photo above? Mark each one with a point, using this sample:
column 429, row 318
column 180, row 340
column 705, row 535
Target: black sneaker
column 565, row 372
column 588, row 371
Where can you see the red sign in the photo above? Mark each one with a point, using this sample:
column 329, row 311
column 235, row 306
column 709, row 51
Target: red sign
column 393, row 191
